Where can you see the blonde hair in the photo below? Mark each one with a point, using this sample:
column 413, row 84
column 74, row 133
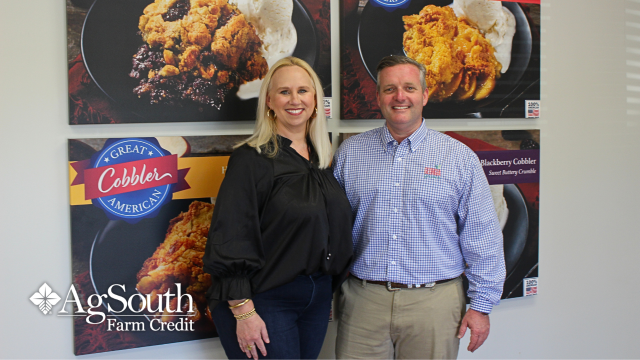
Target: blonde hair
column 264, row 136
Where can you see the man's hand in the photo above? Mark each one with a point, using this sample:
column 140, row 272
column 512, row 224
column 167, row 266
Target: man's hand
column 478, row 323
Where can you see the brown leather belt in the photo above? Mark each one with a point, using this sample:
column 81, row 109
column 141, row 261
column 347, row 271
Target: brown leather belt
column 393, row 286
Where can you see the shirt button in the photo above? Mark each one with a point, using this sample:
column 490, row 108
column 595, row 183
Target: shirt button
column 396, row 184
column 395, row 210
column 394, row 237
column 393, row 263
column 399, row 159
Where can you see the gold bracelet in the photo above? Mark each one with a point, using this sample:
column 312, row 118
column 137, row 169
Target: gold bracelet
column 239, row 304
column 245, row 315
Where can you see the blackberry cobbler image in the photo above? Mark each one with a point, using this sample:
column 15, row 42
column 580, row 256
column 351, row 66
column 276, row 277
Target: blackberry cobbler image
column 195, row 51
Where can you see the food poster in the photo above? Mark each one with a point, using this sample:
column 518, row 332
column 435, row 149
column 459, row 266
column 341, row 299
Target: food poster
column 146, row 61
column 140, row 214
column 511, row 162
column 482, row 56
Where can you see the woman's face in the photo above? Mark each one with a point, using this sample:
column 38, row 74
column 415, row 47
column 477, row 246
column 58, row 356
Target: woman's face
column 292, row 97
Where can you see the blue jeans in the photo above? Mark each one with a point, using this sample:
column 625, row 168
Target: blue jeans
column 296, row 315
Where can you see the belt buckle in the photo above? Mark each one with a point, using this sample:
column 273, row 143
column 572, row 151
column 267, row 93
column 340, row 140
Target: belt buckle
column 390, row 288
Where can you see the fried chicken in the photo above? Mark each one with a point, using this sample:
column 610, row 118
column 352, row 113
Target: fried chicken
column 179, row 260
column 457, row 56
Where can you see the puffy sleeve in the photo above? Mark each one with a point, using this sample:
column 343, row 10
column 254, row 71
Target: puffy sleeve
column 234, row 250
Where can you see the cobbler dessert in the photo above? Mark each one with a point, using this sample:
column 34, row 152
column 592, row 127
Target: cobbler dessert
column 459, row 60
column 195, row 51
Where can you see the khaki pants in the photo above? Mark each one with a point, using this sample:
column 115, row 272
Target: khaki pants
column 405, row 324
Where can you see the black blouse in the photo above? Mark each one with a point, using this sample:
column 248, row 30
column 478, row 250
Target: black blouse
column 274, row 219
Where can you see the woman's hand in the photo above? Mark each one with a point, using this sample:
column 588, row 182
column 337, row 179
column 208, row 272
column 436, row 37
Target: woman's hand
column 252, row 332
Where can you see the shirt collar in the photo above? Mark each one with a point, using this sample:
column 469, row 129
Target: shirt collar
column 283, row 141
column 414, row 139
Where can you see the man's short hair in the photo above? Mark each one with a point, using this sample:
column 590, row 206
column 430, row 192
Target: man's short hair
column 393, row 60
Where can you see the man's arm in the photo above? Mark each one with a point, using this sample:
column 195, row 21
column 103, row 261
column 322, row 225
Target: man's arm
column 482, row 248
column 338, row 165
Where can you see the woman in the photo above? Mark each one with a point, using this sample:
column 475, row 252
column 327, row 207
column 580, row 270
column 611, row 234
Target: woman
column 281, row 227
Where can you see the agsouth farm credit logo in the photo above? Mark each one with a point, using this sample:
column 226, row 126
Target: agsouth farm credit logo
column 130, row 179
column 175, row 306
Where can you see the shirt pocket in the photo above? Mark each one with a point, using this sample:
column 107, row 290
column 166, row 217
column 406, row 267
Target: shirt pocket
column 367, row 186
column 433, row 197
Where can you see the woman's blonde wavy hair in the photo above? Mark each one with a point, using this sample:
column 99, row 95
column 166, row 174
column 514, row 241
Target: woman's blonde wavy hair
column 264, row 138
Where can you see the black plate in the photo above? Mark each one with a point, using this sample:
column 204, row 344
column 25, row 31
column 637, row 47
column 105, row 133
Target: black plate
column 516, row 230
column 110, row 39
column 120, row 249
column 380, row 34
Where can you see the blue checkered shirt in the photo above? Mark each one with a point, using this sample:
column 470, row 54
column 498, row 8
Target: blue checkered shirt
column 423, row 212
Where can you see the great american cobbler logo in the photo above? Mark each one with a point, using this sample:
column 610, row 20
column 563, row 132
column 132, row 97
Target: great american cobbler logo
column 130, row 179
column 433, row 172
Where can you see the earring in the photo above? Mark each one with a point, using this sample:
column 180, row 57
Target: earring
column 272, row 117
column 315, row 112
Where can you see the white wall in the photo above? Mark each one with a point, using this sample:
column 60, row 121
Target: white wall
column 589, row 176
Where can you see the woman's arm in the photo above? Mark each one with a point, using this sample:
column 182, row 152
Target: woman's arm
column 234, row 250
column 234, row 247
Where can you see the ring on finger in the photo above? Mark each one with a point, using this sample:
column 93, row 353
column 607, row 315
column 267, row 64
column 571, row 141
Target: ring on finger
column 249, row 347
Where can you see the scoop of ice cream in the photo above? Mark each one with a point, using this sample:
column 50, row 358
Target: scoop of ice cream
column 500, row 204
column 496, row 22
column 503, row 49
column 272, row 13
column 482, row 13
column 272, row 21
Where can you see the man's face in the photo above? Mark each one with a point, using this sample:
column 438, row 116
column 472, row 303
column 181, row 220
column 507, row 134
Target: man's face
column 401, row 97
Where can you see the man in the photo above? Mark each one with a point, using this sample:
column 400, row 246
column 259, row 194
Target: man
column 423, row 216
